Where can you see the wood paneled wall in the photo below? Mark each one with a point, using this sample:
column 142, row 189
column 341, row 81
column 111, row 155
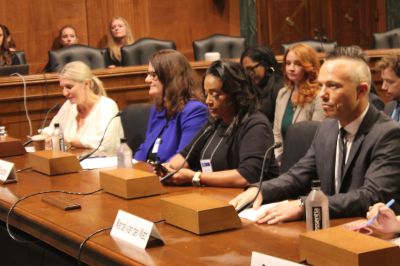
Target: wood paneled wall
column 35, row 24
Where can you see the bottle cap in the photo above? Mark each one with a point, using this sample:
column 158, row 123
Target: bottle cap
column 123, row 140
column 56, row 124
column 316, row 183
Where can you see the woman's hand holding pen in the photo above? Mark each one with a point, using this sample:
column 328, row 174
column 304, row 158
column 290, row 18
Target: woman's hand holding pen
column 386, row 221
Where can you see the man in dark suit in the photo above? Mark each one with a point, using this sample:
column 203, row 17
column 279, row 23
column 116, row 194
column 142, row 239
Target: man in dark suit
column 371, row 171
column 390, row 72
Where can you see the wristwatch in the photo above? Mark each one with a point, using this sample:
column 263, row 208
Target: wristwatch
column 196, row 179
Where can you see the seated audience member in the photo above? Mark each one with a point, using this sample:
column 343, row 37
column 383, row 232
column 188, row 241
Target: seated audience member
column 390, row 72
column 231, row 154
column 356, row 51
column 11, row 43
column 368, row 140
column 7, row 57
column 298, row 100
column 178, row 112
column 83, row 118
column 67, row 36
column 265, row 73
column 119, row 34
column 387, row 222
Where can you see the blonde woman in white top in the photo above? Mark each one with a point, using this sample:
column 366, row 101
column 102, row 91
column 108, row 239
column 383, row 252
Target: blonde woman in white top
column 298, row 100
column 83, row 118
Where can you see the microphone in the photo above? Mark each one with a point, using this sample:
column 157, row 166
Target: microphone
column 46, row 116
column 102, row 138
column 267, row 154
column 167, row 176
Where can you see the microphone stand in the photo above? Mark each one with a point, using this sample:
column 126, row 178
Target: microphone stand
column 169, row 175
column 266, row 155
column 101, row 141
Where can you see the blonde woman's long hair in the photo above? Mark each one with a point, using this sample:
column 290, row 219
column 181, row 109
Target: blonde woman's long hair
column 78, row 71
column 115, row 50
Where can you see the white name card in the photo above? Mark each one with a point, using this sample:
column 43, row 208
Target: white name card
column 259, row 259
column 7, row 172
column 134, row 230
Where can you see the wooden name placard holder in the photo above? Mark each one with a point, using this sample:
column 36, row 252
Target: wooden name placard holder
column 11, row 147
column 130, row 183
column 339, row 246
column 54, row 162
column 199, row 214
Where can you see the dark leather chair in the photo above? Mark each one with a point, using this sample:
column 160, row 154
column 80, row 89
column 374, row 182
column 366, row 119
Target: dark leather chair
column 227, row 46
column 139, row 52
column 95, row 58
column 134, row 119
column 388, row 39
column 21, row 57
column 318, row 46
column 298, row 139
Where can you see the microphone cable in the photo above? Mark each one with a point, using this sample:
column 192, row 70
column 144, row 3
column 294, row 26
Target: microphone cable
column 84, row 157
column 87, row 239
column 34, row 194
column 25, row 101
column 47, row 114
column 206, row 130
column 266, row 155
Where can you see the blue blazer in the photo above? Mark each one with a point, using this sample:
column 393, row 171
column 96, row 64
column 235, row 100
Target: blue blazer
column 180, row 131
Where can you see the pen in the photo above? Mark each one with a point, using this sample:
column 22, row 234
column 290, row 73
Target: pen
column 389, row 204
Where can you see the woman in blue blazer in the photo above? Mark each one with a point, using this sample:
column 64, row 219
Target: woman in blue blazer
column 178, row 112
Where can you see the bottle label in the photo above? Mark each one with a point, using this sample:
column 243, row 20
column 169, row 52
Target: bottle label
column 316, row 218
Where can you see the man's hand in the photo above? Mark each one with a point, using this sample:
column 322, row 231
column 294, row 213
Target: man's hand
column 288, row 211
column 245, row 198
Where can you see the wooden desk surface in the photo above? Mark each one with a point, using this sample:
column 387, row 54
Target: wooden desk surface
column 65, row 230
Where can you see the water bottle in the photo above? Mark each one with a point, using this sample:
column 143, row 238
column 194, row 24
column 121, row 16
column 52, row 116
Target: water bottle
column 3, row 132
column 57, row 139
column 124, row 155
column 317, row 209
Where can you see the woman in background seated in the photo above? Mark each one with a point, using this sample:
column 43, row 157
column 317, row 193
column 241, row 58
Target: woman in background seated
column 265, row 73
column 11, row 43
column 7, row 57
column 67, row 36
column 119, row 34
column 85, row 115
column 178, row 112
column 229, row 152
column 298, row 100
column 387, row 222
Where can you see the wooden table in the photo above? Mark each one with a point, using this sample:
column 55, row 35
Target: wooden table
column 65, row 230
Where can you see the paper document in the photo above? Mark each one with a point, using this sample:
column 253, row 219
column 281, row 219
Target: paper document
column 252, row 214
column 101, row 162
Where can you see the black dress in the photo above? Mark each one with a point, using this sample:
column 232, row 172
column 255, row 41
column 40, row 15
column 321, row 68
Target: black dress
column 243, row 151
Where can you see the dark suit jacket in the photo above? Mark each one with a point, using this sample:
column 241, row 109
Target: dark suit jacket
column 372, row 172
column 389, row 107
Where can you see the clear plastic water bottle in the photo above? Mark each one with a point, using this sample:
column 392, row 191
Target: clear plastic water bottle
column 317, row 208
column 57, row 139
column 3, row 132
column 124, row 155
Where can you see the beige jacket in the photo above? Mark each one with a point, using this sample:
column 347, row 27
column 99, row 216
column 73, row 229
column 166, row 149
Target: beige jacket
column 310, row 111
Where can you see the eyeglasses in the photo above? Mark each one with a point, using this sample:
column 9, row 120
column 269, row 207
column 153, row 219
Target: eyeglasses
column 250, row 69
column 152, row 74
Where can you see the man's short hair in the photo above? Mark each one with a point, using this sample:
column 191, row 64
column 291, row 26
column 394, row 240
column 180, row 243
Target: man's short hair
column 391, row 61
column 360, row 70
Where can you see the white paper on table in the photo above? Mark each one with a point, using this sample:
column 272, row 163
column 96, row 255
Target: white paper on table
column 395, row 241
column 101, row 162
column 252, row 214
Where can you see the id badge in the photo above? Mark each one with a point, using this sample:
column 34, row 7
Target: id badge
column 206, row 166
column 156, row 146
